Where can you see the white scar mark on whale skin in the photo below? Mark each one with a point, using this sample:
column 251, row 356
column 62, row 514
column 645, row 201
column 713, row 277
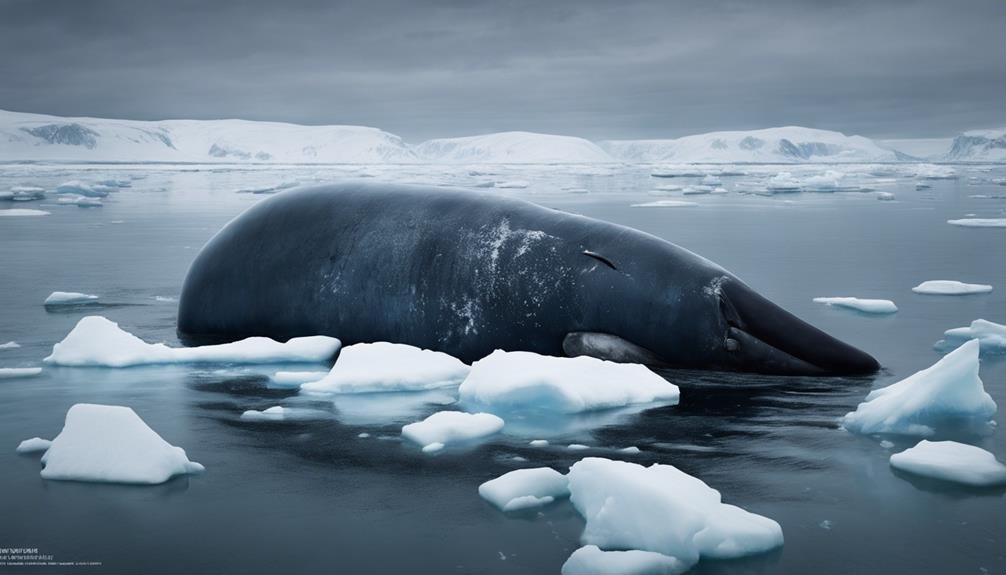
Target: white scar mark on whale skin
column 715, row 286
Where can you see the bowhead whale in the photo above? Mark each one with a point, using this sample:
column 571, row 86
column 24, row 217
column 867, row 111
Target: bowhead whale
column 467, row 272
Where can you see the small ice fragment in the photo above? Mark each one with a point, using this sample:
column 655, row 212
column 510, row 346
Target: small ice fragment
column 517, row 184
column 33, row 445
column 539, row 443
column 22, row 212
column 949, row 391
column 69, row 298
column 451, row 427
column 96, row 341
column 110, row 443
column 591, row 560
column 990, row 335
column 666, row 204
column 951, row 461
column 525, row 488
column 280, row 413
column 383, row 366
column 973, row 222
column 950, row 287
column 886, row 444
column 363, row 435
column 885, row 196
column 577, row 446
column 14, row 372
column 872, row 306
column 632, row 450
column 10, row 345
column 826, row 524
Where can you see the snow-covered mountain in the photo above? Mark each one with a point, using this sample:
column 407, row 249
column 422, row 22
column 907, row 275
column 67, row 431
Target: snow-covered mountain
column 512, row 148
column 787, row 144
column 41, row 137
column 979, row 146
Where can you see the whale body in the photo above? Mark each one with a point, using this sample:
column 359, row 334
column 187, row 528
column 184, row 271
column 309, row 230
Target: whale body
column 468, row 272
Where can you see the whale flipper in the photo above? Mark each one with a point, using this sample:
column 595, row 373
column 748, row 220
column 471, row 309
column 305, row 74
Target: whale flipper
column 607, row 346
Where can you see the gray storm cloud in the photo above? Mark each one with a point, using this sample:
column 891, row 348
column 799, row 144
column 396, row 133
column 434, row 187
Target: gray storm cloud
column 597, row 69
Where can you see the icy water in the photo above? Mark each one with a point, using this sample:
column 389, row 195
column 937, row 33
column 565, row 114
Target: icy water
column 313, row 497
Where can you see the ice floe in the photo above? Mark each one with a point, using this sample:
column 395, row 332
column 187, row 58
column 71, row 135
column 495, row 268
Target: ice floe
column 110, row 443
column 80, row 201
column 950, row 287
column 33, row 445
column 990, row 335
column 445, row 428
column 525, row 488
column 949, row 392
column 69, row 298
column 383, row 366
column 10, row 345
column 16, row 372
column 22, row 212
column 663, row 510
column 23, row 194
column 951, row 461
column 521, row 381
column 973, row 222
column 79, row 188
column 873, row 306
column 97, row 341
column 885, row 196
column 591, row 560
column 512, row 184
column 666, row 204
column 280, row 413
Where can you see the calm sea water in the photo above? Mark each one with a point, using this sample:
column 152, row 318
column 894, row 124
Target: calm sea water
column 312, row 497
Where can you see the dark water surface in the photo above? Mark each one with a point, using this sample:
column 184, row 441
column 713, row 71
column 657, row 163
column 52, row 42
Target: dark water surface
column 313, row 497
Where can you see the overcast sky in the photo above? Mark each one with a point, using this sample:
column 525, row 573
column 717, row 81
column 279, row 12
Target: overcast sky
column 598, row 69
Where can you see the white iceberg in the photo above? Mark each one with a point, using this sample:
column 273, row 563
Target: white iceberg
column 97, row 341
column 23, row 194
column 990, row 335
column 383, row 366
column 81, row 189
column 69, row 298
column 951, row 461
column 445, row 428
column 663, row 510
column 15, row 372
column 975, row 222
column 33, row 445
column 525, row 488
column 948, row 392
column 950, row 287
column 873, row 306
column 10, row 345
column 525, row 381
column 280, row 413
column 110, row 443
column 22, row 212
column 591, row 560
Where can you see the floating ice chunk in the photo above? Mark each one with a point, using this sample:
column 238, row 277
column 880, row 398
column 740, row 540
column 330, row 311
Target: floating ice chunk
column 15, row 372
column 110, row 443
column 663, row 510
column 935, row 172
column 783, row 182
column 69, row 298
column 516, row 184
column 451, row 427
column 973, row 222
column 81, row 189
column 23, row 194
column 296, row 378
column 525, row 488
column 876, row 306
column 666, row 204
column 951, row 461
column 577, row 447
column 84, row 202
column 590, row 560
column 10, row 345
column 950, row 287
column 96, row 341
column 33, row 445
column 22, row 212
column 525, row 381
column 885, row 196
column 631, row 450
column 711, row 180
column 950, row 391
column 280, row 413
column 676, row 172
column 538, row 443
column 990, row 335
column 383, row 366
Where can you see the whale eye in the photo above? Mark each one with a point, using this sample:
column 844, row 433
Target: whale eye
column 731, row 344
column 600, row 258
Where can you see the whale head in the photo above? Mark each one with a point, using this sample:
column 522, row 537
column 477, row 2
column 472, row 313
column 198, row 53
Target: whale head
column 650, row 301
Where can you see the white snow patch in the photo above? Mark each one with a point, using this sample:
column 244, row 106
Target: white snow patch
column 525, row 488
column 451, row 427
column 525, row 381
column 875, row 306
column 951, row 461
column 68, row 298
column 110, row 443
column 950, row 287
column 383, row 366
column 948, row 391
column 591, row 560
column 97, row 341
column 33, row 445
column 663, row 510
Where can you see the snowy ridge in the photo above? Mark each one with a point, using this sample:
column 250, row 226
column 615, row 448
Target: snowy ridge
column 979, row 146
column 788, row 144
column 41, row 137
column 512, row 148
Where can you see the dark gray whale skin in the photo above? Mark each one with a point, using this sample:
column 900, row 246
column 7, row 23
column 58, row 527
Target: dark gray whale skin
column 468, row 272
